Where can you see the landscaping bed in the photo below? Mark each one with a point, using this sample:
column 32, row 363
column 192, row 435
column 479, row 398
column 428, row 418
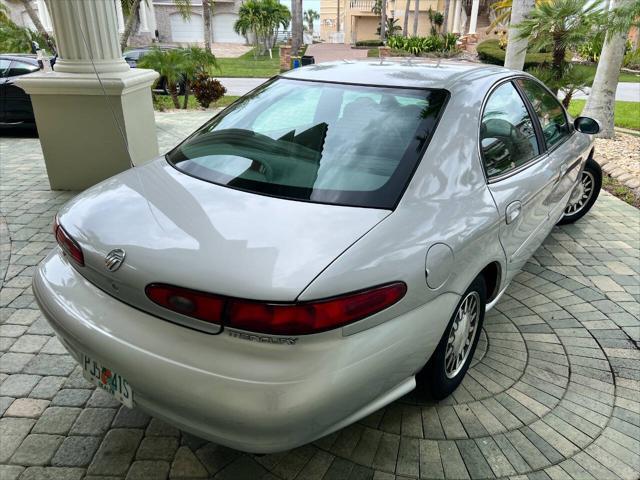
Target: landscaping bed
column 162, row 103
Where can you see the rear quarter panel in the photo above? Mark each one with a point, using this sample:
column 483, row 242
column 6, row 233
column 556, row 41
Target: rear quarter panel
column 447, row 201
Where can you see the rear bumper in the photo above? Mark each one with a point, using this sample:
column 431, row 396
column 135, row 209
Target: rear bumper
column 248, row 395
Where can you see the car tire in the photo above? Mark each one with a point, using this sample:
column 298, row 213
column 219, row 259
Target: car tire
column 590, row 185
column 446, row 369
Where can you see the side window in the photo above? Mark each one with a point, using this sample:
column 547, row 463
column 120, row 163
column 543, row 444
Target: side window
column 21, row 68
column 4, row 66
column 553, row 120
column 507, row 136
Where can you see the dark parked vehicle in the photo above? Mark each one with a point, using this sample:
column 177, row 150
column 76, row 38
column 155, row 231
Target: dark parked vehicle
column 15, row 103
column 134, row 55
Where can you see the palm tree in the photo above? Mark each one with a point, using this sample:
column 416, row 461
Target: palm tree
column 38, row 24
column 559, row 25
column 196, row 61
column 445, row 16
column 260, row 19
column 502, row 8
column 310, row 16
column 296, row 26
column 601, row 101
column 130, row 7
column 392, row 27
column 207, row 6
column 517, row 46
column 416, row 14
column 405, row 28
column 170, row 64
column 383, row 21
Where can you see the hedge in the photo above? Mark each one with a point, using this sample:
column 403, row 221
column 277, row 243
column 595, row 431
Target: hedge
column 369, row 43
column 489, row 51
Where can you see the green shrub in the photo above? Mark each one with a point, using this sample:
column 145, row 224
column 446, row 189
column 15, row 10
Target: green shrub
column 632, row 59
column 420, row 45
column 369, row 43
column 489, row 51
column 592, row 48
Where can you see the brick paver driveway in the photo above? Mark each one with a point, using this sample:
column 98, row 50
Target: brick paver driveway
column 553, row 393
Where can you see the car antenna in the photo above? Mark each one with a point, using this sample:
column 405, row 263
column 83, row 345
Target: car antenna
column 106, row 98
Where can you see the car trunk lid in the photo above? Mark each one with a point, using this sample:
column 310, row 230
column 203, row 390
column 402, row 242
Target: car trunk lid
column 178, row 230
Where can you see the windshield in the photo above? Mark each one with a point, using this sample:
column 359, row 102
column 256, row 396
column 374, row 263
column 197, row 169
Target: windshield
column 320, row 142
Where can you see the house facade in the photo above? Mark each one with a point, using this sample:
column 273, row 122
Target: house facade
column 157, row 20
column 358, row 21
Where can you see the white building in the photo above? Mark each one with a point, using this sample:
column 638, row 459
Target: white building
column 159, row 19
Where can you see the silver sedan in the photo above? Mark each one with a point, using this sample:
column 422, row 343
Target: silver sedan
column 323, row 246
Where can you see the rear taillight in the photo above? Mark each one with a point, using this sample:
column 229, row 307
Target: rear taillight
column 68, row 244
column 200, row 305
column 277, row 318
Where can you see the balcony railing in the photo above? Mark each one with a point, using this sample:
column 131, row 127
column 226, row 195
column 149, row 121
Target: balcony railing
column 362, row 5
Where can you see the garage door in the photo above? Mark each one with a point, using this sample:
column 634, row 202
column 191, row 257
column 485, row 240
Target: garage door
column 223, row 28
column 186, row 31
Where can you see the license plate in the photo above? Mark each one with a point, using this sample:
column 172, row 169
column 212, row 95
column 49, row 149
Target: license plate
column 108, row 380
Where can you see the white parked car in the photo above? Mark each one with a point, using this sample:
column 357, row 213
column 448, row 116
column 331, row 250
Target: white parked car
column 316, row 250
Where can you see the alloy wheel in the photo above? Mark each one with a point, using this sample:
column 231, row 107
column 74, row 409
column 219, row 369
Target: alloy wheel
column 581, row 195
column 462, row 334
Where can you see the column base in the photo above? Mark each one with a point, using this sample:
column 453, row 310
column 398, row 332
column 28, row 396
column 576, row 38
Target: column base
column 92, row 129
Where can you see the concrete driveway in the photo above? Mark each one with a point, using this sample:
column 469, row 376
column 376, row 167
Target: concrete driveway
column 553, row 391
column 626, row 91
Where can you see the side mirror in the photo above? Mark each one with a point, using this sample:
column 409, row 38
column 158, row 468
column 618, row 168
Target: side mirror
column 586, row 125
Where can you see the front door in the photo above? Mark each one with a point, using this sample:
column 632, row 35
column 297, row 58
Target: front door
column 520, row 178
column 562, row 147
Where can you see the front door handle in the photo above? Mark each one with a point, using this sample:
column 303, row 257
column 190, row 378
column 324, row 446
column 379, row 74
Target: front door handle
column 513, row 211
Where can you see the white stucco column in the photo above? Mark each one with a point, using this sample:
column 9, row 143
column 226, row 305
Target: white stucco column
column 91, row 126
column 473, row 22
column 120, row 16
column 151, row 18
column 43, row 13
column 144, row 20
column 456, row 16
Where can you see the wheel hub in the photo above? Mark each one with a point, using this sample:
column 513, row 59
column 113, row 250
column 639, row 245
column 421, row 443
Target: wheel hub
column 462, row 334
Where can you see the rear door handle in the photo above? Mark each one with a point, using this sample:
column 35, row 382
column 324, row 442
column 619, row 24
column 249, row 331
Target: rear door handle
column 513, row 211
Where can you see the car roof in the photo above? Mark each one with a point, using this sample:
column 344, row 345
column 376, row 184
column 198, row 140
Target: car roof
column 398, row 73
column 23, row 57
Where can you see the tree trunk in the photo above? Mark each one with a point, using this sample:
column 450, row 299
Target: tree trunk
column 206, row 17
column 38, row 24
column 558, row 61
column 338, row 16
column 405, row 28
column 383, row 21
column 296, row 27
column 517, row 47
column 187, row 91
column 445, row 16
column 602, row 99
column 173, row 91
column 131, row 21
column 416, row 14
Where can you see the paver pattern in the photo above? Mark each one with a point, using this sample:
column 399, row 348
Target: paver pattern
column 553, row 393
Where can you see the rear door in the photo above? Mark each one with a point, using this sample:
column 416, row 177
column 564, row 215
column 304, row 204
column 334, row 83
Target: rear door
column 563, row 151
column 519, row 175
column 17, row 103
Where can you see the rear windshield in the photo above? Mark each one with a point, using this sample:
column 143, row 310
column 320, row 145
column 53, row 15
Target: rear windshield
column 313, row 141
